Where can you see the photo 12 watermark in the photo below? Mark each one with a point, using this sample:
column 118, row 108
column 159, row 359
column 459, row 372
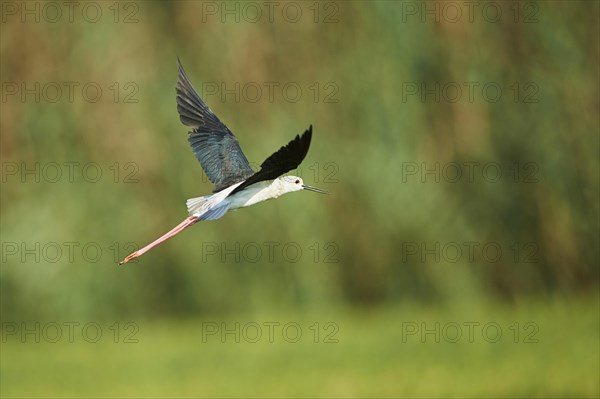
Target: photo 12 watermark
column 252, row 12
column 327, row 172
column 54, row 12
column 290, row 332
column 470, row 92
column 469, row 251
column 69, row 171
column 272, row 91
column 64, row 252
column 269, row 252
column 469, row 332
column 471, row 172
column 69, row 92
column 453, row 12
column 70, row 332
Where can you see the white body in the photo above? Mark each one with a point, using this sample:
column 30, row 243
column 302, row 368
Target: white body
column 251, row 195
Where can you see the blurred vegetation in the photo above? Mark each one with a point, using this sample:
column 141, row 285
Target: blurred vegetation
column 543, row 212
column 372, row 358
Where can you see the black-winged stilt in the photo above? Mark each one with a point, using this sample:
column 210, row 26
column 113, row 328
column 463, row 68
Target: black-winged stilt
column 237, row 185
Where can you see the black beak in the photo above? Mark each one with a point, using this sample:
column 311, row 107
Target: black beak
column 316, row 190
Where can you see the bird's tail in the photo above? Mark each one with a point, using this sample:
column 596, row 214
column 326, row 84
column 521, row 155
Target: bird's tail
column 202, row 209
column 197, row 206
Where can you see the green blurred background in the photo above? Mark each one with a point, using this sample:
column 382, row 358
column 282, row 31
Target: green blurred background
column 378, row 276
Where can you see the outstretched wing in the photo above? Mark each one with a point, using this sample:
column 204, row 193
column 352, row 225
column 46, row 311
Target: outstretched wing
column 285, row 159
column 213, row 143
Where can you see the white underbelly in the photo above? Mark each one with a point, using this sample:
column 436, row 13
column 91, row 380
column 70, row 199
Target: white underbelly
column 251, row 195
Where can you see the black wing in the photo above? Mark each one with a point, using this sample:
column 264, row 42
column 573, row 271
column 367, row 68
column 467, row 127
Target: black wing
column 213, row 143
column 285, row 159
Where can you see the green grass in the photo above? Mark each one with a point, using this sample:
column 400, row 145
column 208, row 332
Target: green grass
column 371, row 358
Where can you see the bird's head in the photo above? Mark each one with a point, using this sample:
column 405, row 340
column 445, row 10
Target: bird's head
column 294, row 183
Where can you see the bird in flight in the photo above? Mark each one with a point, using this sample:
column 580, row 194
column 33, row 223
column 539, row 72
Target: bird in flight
column 237, row 185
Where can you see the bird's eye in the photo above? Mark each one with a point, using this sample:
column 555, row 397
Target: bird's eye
column 297, row 181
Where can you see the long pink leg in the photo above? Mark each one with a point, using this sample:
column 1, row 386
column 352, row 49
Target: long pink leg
column 176, row 230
